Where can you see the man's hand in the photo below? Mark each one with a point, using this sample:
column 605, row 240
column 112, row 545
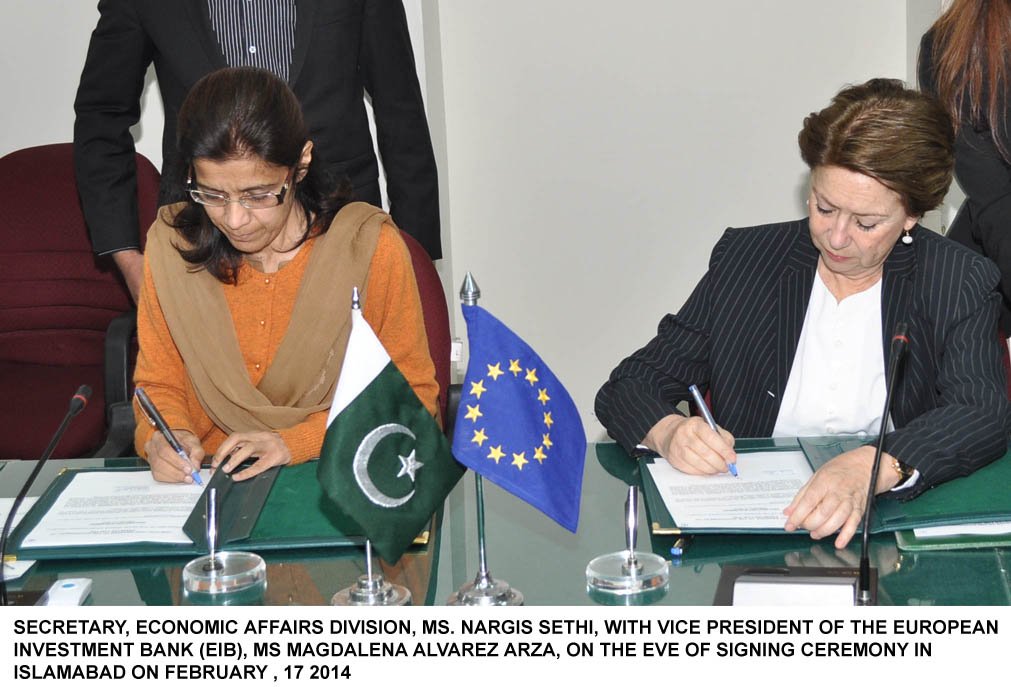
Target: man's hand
column 131, row 264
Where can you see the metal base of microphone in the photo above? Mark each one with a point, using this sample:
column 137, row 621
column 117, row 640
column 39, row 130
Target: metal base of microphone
column 372, row 590
column 485, row 591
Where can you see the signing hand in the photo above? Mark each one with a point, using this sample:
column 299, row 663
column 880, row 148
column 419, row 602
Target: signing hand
column 833, row 500
column 166, row 464
column 268, row 448
column 691, row 446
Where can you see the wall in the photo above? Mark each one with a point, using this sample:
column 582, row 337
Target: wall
column 594, row 157
column 589, row 160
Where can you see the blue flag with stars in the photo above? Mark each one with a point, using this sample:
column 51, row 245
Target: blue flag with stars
column 517, row 425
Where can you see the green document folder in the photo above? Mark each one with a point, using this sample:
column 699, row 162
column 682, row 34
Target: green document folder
column 983, row 496
column 285, row 510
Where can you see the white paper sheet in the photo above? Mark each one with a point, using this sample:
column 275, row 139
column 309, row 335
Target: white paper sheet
column 116, row 507
column 15, row 569
column 767, row 483
column 981, row 528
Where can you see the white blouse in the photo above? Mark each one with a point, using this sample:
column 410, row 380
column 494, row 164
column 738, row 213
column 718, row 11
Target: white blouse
column 837, row 382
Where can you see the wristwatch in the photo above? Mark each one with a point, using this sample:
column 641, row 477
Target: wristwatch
column 905, row 472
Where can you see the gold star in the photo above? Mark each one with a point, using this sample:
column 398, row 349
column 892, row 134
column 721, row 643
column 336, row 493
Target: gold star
column 519, row 460
column 531, row 376
column 547, row 418
column 479, row 437
column 496, row 453
column 477, row 388
column 546, row 439
column 473, row 413
column 514, row 367
column 494, row 371
column 542, row 396
column 540, row 455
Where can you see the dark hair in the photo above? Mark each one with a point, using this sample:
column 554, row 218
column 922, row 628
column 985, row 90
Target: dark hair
column 246, row 112
column 970, row 65
column 898, row 136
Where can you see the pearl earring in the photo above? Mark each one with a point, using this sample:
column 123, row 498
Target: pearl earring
column 907, row 238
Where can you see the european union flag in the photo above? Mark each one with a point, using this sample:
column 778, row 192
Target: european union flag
column 517, row 425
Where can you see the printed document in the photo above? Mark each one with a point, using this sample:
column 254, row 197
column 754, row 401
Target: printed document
column 116, row 507
column 767, row 483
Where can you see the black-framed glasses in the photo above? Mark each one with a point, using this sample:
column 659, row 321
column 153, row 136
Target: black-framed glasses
column 250, row 201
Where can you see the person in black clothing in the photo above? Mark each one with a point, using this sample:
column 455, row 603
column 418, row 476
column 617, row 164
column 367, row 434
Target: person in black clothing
column 964, row 62
column 329, row 52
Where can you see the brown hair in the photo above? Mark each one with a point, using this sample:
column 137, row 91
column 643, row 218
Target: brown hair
column 898, row 136
column 970, row 62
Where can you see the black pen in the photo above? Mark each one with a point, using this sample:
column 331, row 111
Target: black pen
column 159, row 423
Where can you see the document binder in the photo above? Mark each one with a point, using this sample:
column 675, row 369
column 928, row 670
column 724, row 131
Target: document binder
column 282, row 508
column 982, row 496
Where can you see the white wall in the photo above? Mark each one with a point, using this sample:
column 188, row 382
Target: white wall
column 594, row 156
column 590, row 152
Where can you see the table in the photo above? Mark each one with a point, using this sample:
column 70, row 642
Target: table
column 536, row 556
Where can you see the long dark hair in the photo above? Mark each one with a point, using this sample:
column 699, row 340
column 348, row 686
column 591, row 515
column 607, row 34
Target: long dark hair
column 246, row 112
column 971, row 63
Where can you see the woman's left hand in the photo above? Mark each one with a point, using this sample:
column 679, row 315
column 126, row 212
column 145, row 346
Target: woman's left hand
column 836, row 495
column 268, row 448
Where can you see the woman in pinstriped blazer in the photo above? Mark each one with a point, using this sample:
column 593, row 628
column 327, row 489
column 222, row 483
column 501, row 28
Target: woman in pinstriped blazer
column 790, row 328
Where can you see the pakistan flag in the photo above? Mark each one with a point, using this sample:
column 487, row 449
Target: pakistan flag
column 385, row 462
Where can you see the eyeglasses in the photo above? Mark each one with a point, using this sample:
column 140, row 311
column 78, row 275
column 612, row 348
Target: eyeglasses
column 250, row 201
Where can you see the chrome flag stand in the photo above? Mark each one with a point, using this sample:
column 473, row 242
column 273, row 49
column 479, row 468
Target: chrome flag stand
column 372, row 589
column 484, row 590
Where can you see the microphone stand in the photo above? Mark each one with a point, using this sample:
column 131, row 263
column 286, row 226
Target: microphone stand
column 899, row 342
column 77, row 404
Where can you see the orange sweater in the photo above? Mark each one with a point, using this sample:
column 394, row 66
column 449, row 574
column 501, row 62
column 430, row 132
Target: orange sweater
column 261, row 306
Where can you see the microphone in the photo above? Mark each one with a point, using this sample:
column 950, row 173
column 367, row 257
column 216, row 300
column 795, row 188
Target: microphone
column 900, row 340
column 77, row 404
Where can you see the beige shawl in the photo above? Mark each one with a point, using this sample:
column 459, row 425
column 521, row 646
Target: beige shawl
column 304, row 372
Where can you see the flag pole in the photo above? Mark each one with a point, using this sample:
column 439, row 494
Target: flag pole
column 371, row 589
column 484, row 590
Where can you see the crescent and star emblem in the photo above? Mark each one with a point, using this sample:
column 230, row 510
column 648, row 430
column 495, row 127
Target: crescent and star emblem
column 409, row 465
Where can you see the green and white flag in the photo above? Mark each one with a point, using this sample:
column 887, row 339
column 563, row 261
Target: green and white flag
column 385, row 462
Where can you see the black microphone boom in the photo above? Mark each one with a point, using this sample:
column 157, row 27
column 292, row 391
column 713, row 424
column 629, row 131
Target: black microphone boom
column 77, row 404
column 899, row 342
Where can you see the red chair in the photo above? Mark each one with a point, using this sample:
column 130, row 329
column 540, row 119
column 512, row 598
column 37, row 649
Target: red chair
column 57, row 302
column 436, row 314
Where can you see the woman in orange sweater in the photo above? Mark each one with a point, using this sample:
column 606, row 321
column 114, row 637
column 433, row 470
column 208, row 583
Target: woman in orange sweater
column 244, row 312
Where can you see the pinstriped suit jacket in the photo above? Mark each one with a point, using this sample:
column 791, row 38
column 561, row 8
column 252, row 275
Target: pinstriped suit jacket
column 738, row 333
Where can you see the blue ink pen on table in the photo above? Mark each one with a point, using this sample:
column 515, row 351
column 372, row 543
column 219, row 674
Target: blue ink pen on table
column 708, row 417
column 159, row 423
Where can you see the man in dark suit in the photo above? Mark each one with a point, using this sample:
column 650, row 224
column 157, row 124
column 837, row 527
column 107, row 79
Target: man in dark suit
column 337, row 50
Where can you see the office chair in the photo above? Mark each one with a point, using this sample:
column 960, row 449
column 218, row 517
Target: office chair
column 66, row 317
column 436, row 313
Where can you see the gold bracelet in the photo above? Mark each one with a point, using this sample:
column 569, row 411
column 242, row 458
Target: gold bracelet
column 905, row 472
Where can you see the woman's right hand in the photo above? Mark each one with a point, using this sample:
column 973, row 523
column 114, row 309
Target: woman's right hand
column 166, row 464
column 691, row 446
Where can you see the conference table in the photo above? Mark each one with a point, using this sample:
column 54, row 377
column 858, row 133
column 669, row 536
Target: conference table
column 542, row 560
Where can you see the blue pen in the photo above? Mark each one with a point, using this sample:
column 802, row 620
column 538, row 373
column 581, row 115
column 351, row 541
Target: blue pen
column 708, row 417
column 152, row 414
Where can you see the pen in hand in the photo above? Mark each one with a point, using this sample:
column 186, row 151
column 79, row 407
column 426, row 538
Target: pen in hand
column 708, row 417
column 159, row 423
